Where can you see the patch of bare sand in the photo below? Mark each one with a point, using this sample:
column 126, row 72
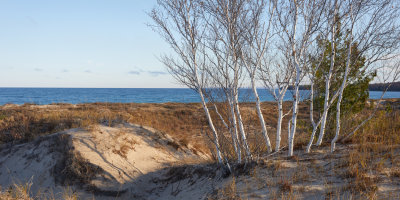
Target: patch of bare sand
column 127, row 161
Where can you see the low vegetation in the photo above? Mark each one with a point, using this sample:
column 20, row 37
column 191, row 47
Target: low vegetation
column 185, row 122
column 362, row 164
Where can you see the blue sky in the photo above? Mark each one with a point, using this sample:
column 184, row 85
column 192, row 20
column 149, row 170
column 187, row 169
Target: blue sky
column 80, row 43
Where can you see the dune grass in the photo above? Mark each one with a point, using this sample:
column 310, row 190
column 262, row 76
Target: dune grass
column 373, row 151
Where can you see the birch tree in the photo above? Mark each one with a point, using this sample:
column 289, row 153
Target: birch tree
column 373, row 27
column 299, row 22
column 232, row 49
column 255, row 48
column 276, row 78
column 333, row 19
column 313, row 68
column 180, row 23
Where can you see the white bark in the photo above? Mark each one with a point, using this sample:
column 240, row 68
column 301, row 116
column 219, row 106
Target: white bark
column 271, row 84
column 295, row 110
column 235, row 137
column 180, row 21
column 289, row 130
column 241, row 127
column 280, row 117
column 220, row 117
column 333, row 142
column 233, row 133
column 260, row 115
column 296, row 42
column 328, row 79
column 212, row 127
column 312, row 117
column 343, row 85
column 314, row 131
column 297, row 83
column 279, row 125
column 315, row 126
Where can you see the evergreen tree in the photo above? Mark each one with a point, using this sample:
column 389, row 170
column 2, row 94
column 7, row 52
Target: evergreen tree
column 356, row 93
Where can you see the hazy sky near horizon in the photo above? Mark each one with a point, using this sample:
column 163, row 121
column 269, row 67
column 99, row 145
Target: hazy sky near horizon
column 75, row 43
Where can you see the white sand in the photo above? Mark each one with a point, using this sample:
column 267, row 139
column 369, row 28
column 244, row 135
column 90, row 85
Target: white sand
column 134, row 161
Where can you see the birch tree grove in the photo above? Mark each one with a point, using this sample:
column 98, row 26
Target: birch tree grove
column 256, row 41
column 183, row 33
column 298, row 22
column 220, row 47
column 225, row 40
column 377, row 35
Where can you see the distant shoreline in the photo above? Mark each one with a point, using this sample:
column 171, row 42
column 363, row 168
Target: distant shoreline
column 395, row 87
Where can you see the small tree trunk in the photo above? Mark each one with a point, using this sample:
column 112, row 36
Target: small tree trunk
column 260, row 115
column 315, row 125
column 241, row 127
column 333, row 142
column 322, row 129
column 328, row 79
column 295, row 110
column 211, row 124
column 279, row 125
column 326, row 100
column 235, row 137
column 311, row 117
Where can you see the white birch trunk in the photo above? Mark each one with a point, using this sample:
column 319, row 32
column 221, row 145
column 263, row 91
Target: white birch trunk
column 220, row 117
column 241, row 127
column 344, row 82
column 339, row 102
column 279, row 125
column 211, row 124
column 333, row 142
column 324, row 114
column 292, row 131
column 328, row 78
column 295, row 110
column 311, row 117
column 260, row 115
column 235, row 137
column 327, row 87
column 233, row 134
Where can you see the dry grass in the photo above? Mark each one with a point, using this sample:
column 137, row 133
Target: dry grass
column 285, row 185
column 362, row 168
column 23, row 123
column 22, row 192
column 374, row 149
column 77, row 170
column 372, row 152
column 185, row 122
column 228, row 192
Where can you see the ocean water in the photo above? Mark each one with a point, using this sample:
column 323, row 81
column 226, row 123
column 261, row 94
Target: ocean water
column 128, row 95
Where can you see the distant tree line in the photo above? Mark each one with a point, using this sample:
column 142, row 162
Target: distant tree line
column 384, row 86
column 371, row 87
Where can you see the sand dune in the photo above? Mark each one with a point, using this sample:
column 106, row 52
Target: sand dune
column 125, row 161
